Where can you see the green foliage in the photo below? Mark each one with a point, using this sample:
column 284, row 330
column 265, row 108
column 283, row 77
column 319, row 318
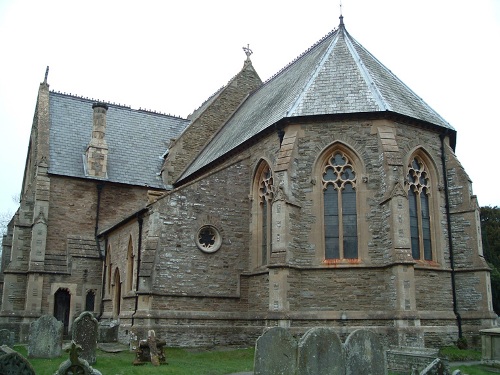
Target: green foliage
column 180, row 362
column 490, row 228
column 454, row 354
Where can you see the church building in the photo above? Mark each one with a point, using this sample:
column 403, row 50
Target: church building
column 329, row 195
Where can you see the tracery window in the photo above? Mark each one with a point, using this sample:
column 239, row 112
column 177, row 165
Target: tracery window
column 265, row 208
column 418, row 185
column 340, row 208
column 108, row 269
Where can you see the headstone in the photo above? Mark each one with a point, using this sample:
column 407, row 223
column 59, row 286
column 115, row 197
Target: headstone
column 15, row 363
column 108, row 331
column 6, row 337
column 45, row 337
column 320, row 352
column 85, row 335
column 75, row 365
column 365, row 354
column 436, row 367
column 275, row 353
column 150, row 350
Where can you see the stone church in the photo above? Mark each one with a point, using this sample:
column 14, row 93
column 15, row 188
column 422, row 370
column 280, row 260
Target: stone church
column 329, row 195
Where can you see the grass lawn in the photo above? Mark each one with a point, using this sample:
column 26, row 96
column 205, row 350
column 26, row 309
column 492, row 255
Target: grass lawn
column 180, row 362
column 216, row 362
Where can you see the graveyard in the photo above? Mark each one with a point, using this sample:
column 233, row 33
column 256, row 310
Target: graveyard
column 277, row 351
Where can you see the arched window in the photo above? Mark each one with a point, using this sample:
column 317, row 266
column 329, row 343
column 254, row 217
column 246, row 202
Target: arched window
column 90, row 301
column 418, row 185
column 117, row 295
column 130, row 265
column 265, row 198
column 340, row 207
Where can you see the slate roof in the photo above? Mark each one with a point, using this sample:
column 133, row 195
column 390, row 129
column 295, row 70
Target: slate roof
column 335, row 76
column 136, row 140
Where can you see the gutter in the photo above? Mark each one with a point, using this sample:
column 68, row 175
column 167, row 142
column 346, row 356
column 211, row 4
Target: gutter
column 450, row 237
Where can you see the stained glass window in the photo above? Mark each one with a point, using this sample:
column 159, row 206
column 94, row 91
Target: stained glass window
column 265, row 199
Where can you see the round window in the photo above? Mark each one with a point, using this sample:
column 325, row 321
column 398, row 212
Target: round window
column 208, row 239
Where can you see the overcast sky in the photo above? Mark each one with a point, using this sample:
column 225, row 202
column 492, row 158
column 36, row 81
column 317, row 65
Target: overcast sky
column 170, row 56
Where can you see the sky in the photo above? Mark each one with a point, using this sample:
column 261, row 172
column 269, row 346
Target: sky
column 170, row 56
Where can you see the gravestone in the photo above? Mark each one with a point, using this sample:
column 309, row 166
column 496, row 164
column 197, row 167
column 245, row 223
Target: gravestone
column 436, row 367
column 275, row 353
column 6, row 337
column 45, row 337
column 85, row 335
column 364, row 354
column 320, row 351
column 15, row 364
column 150, row 350
column 108, row 331
column 75, row 365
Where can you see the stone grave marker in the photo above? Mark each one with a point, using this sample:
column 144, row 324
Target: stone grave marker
column 364, row 354
column 275, row 353
column 108, row 331
column 85, row 329
column 150, row 350
column 320, row 351
column 75, row 365
column 436, row 367
column 45, row 337
column 14, row 363
column 6, row 337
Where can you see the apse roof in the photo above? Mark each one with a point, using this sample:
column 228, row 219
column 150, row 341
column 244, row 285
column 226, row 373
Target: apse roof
column 335, row 76
column 136, row 140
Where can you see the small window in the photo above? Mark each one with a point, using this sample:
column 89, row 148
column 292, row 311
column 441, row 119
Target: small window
column 208, row 239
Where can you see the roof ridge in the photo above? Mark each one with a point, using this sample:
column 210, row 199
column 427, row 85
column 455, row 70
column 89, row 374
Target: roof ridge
column 117, row 105
column 301, row 55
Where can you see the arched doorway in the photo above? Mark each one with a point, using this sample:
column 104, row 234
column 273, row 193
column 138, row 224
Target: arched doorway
column 117, row 295
column 62, row 299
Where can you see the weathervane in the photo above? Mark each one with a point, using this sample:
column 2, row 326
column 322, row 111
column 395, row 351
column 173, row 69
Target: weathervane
column 248, row 51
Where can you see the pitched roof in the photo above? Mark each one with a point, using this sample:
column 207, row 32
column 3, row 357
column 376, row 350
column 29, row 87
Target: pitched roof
column 335, row 76
column 136, row 140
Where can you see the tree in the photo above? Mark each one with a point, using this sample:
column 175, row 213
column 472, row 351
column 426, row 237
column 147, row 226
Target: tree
column 490, row 228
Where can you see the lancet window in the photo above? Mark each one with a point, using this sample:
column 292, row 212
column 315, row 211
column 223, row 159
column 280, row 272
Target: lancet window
column 265, row 196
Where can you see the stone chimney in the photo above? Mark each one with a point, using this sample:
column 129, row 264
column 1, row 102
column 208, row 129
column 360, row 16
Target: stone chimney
column 97, row 150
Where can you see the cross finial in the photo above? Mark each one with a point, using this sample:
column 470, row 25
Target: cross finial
column 341, row 16
column 248, row 51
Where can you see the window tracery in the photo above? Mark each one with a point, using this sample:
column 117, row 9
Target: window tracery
column 266, row 194
column 418, row 185
column 340, row 208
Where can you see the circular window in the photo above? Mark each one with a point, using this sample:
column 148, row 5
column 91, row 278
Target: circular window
column 208, row 239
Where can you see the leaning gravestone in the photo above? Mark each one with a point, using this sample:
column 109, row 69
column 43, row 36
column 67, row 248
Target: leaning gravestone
column 6, row 337
column 85, row 330
column 275, row 353
column 320, row 352
column 45, row 337
column 365, row 354
column 15, row 363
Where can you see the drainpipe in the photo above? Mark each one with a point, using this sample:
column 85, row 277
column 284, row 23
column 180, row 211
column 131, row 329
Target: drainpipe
column 99, row 187
column 450, row 237
column 139, row 242
column 103, row 282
